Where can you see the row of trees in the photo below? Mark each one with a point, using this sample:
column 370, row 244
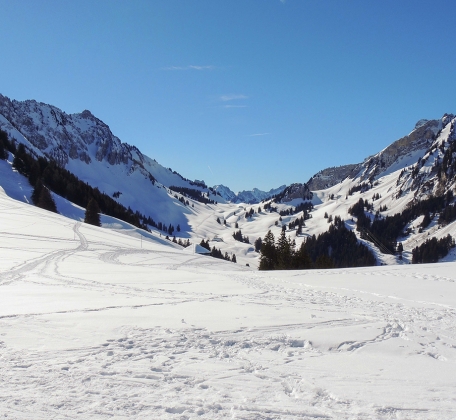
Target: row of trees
column 336, row 248
column 46, row 176
column 432, row 250
column 217, row 253
column 239, row 237
column 196, row 195
column 386, row 230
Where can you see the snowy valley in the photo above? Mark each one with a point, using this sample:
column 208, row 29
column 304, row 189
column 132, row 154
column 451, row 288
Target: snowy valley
column 118, row 322
column 95, row 323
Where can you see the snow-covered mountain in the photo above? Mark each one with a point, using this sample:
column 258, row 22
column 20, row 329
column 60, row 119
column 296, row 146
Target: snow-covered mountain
column 413, row 168
column 247, row 196
column 85, row 146
column 398, row 154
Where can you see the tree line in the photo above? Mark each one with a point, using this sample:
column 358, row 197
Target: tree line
column 388, row 229
column 217, row 253
column 45, row 175
column 196, row 195
column 336, row 248
column 432, row 250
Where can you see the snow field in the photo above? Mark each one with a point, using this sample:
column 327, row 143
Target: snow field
column 94, row 326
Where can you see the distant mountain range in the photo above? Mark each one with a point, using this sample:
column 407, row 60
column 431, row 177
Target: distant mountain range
column 250, row 197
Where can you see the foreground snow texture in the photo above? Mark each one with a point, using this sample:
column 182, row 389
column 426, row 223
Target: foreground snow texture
column 94, row 326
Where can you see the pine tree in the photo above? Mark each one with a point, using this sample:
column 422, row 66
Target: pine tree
column 3, row 154
column 302, row 260
column 257, row 244
column 36, row 192
column 285, row 251
column 45, row 200
column 268, row 258
column 92, row 214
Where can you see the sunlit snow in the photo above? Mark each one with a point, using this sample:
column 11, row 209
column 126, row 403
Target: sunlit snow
column 97, row 324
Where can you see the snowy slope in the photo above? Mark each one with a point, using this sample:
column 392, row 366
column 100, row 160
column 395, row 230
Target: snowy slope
column 85, row 146
column 94, row 326
column 406, row 170
column 394, row 184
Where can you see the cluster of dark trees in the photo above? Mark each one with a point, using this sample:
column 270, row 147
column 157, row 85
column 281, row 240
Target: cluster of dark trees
column 386, row 230
column 250, row 213
column 448, row 164
column 336, row 248
column 257, row 244
column 196, row 195
column 217, row 253
column 45, row 176
column 182, row 200
column 363, row 187
column 306, row 207
column 92, row 214
column 239, row 237
column 268, row 206
column 5, row 145
column 181, row 242
column 297, row 223
column 447, row 215
column 432, row 250
column 197, row 183
column 161, row 226
column 42, row 198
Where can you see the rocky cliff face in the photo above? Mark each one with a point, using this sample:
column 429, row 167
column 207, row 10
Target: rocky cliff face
column 76, row 140
column 294, row 191
column 414, row 144
column 62, row 136
column 402, row 152
column 331, row 176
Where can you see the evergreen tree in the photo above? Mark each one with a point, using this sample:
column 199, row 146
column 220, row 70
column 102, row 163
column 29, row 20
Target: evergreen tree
column 426, row 220
column 19, row 161
column 45, row 200
column 3, row 154
column 257, row 244
column 233, row 258
column 285, row 252
column 323, row 261
column 268, row 258
column 92, row 214
column 205, row 244
column 36, row 192
column 302, row 260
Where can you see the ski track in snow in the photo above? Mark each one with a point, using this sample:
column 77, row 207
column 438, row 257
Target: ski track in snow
column 308, row 345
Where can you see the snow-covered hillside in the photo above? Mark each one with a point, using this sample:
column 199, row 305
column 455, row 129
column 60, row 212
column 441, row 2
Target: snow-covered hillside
column 412, row 168
column 96, row 324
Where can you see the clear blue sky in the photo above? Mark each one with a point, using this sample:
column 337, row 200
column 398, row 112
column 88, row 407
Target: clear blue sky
column 246, row 93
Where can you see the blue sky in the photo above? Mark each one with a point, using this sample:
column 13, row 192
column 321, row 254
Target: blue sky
column 245, row 93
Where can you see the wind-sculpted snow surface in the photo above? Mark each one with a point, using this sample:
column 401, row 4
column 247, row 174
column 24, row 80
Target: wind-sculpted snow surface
column 95, row 324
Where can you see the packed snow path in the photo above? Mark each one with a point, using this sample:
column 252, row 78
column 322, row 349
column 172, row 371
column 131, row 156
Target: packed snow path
column 94, row 326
